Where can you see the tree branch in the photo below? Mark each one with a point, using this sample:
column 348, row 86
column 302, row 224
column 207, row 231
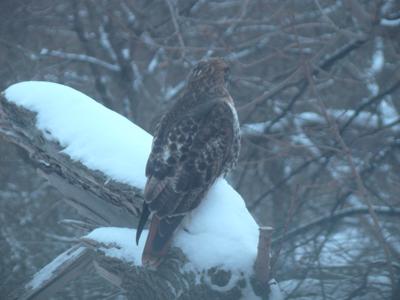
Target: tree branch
column 104, row 202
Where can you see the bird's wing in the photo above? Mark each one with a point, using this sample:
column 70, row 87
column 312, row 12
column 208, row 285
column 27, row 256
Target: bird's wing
column 208, row 157
column 188, row 158
column 171, row 143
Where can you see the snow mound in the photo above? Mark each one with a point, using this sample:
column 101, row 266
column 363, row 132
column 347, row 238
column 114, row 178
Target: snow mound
column 96, row 136
column 119, row 243
column 220, row 232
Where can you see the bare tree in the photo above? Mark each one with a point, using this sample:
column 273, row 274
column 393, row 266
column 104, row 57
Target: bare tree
column 317, row 88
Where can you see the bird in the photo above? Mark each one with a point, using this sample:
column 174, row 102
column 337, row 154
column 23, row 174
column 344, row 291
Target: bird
column 196, row 141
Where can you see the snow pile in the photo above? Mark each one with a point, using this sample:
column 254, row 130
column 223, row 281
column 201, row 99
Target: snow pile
column 119, row 243
column 98, row 137
column 220, row 232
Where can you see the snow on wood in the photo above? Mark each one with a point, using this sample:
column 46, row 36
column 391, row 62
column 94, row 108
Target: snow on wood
column 276, row 293
column 118, row 243
column 46, row 273
column 68, row 265
column 89, row 132
column 82, row 58
column 391, row 23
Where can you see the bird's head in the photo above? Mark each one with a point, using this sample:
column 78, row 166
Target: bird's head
column 208, row 73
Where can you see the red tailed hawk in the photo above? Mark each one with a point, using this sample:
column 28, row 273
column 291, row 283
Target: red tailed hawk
column 195, row 142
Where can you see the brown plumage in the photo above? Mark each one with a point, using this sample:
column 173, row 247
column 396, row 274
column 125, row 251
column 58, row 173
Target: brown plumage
column 195, row 142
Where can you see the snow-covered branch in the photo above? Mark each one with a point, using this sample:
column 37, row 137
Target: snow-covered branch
column 97, row 196
column 81, row 58
column 97, row 159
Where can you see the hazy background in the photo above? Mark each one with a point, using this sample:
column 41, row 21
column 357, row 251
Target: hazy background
column 317, row 87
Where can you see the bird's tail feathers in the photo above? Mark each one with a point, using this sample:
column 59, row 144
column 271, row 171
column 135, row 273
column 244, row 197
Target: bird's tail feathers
column 159, row 239
column 142, row 221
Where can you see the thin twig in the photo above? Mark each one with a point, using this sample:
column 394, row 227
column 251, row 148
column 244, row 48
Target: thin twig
column 176, row 26
column 361, row 190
